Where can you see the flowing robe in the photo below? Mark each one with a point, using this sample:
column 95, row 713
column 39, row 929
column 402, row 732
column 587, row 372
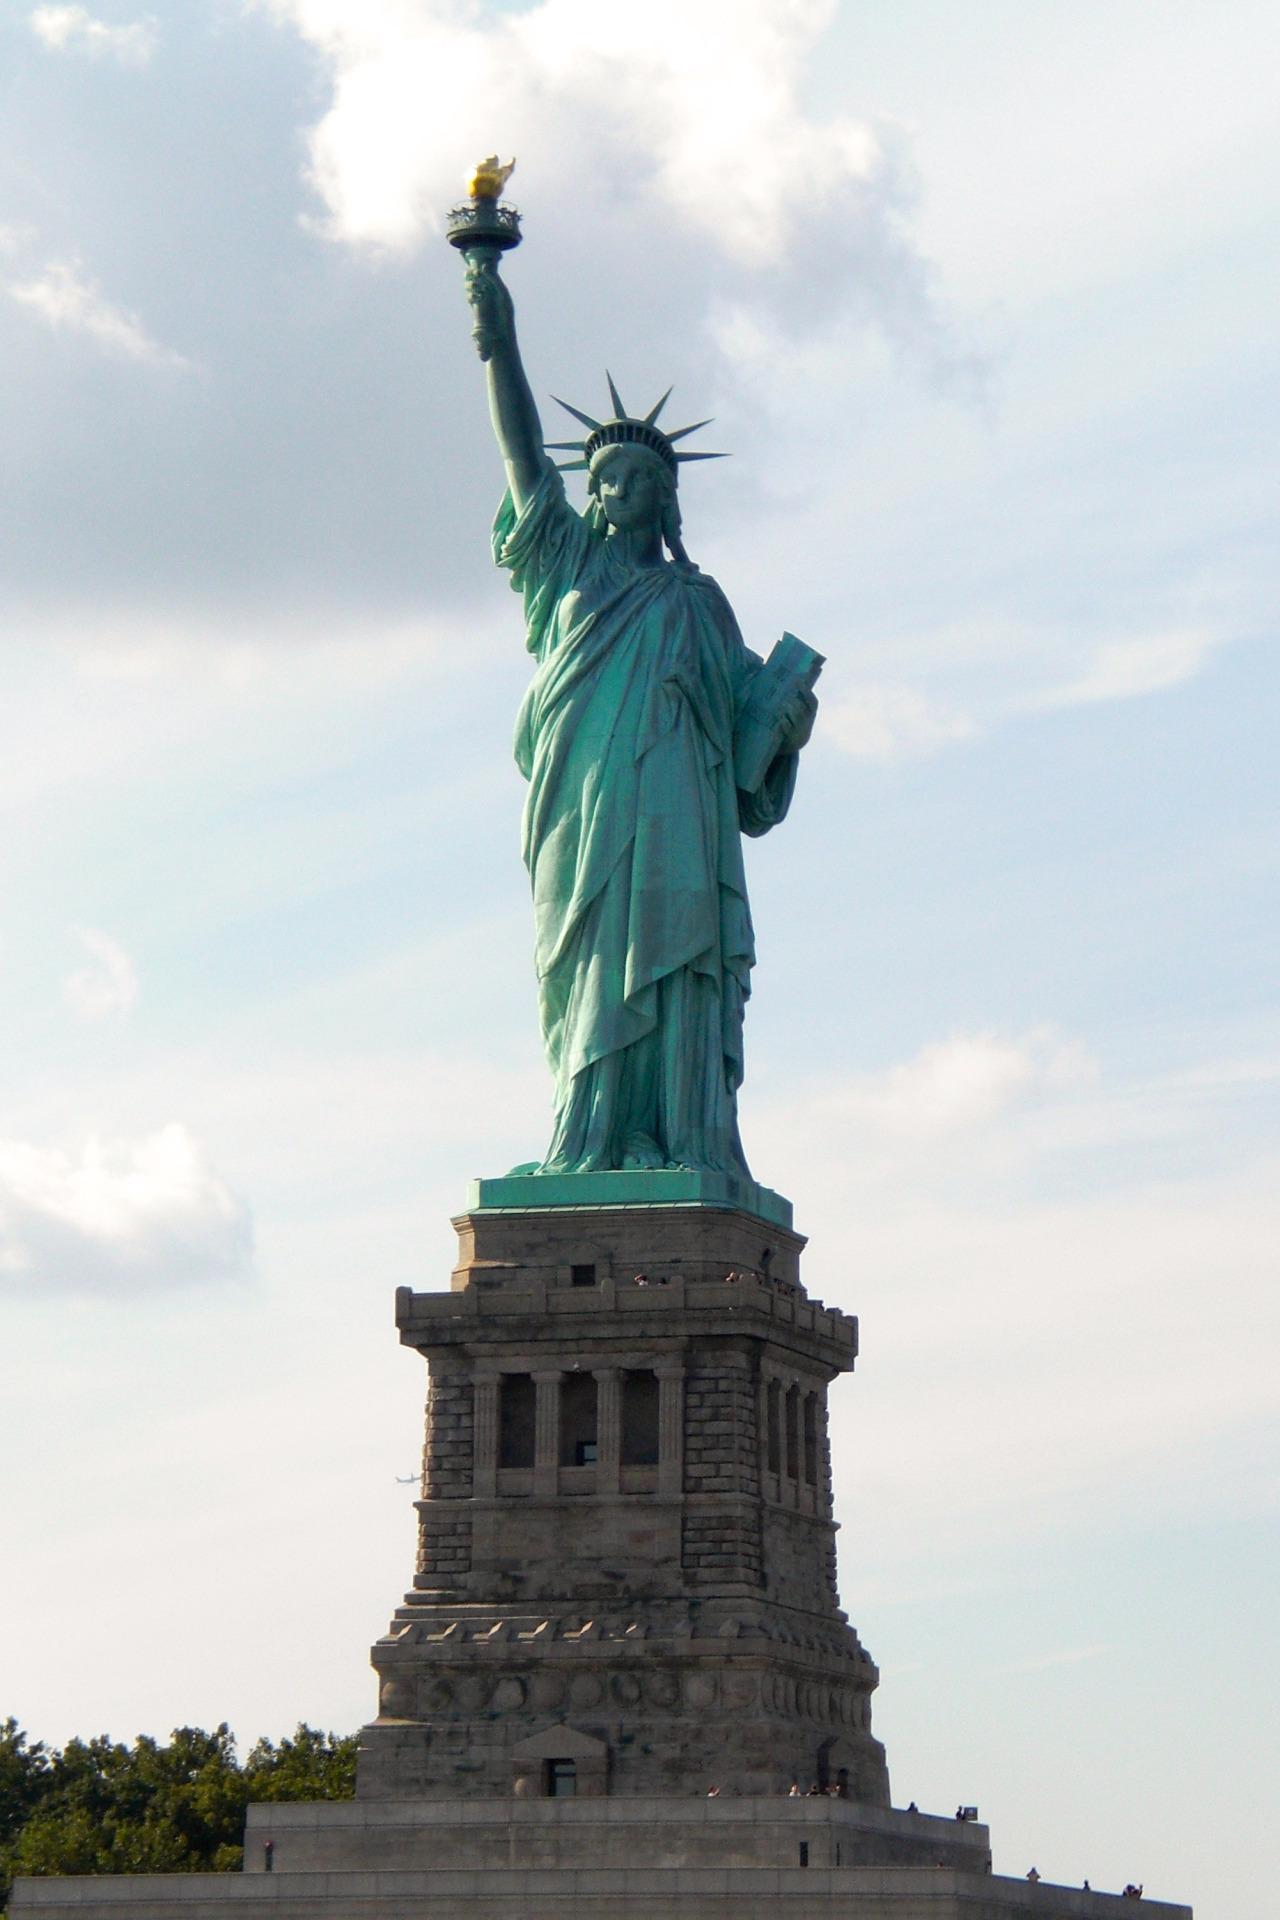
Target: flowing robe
column 632, row 838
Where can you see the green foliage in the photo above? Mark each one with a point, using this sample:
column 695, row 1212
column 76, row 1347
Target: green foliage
column 24, row 1775
column 99, row 1807
column 311, row 1766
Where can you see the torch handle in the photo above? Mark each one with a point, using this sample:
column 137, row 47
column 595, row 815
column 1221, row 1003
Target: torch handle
column 490, row 299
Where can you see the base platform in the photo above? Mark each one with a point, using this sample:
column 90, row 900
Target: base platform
column 630, row 1187
column 637, row 1859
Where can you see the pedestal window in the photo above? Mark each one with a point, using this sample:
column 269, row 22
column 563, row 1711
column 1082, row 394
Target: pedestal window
column 579, row 1432
column 640, row 1419
column 793, row 1433
column 517, row 1420
column 811, row 1439
column 773, row 1426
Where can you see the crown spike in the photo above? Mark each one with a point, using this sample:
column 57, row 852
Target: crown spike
column 626, row 429
column 585, row 418
column 571, row 466
column 682, row 432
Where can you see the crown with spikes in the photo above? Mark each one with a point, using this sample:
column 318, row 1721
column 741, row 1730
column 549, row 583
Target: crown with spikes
column 623, row 430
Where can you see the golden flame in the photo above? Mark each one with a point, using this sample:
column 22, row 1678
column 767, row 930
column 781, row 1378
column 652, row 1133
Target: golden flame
column 489, row 178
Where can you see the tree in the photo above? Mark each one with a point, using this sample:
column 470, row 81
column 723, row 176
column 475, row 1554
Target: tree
column 311, row 1766
column 102, row 1807
column 25, row 1772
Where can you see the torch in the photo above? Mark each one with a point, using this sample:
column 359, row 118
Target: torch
column 485, row 227
column 483, row 231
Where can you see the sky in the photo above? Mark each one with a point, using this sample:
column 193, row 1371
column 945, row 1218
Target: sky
column 982, row 300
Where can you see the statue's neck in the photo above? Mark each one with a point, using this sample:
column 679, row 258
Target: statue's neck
column 637, row 546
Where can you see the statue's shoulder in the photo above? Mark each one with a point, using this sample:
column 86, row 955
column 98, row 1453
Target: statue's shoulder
column 546, row 532
column 696, row 580
column 711, row 597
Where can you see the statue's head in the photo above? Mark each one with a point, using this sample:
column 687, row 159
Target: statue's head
column 634, row 488
column 631, row 467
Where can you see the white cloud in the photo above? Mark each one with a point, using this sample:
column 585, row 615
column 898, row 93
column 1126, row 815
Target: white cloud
column 885, row 722
column 64, row 298
column 1146, row 663
column 110, row 986
column 694, row 101
column 952, row 1086
column 128, row 1214
column 74, row 30
column 956, row 1083
column 684, row 116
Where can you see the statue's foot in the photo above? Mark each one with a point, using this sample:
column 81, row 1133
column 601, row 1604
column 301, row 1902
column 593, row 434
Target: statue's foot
column 640, row 1150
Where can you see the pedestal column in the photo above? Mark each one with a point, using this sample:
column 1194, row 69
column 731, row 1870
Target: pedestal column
column 608, row 1428
column 546, row 1453
column 671, row 1428
column 485, row 1440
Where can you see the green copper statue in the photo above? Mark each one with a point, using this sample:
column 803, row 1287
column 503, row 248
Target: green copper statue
column 652, row 739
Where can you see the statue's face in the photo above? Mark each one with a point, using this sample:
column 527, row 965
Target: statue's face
column 632, row 487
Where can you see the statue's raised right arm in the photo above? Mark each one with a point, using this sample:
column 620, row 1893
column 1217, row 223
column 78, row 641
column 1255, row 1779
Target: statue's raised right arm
column 511, row 403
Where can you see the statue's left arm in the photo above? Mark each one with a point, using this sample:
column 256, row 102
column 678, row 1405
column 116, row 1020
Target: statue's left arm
column 769, row 804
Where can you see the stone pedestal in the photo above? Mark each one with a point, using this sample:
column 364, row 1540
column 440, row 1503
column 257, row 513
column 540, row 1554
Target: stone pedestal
column 623, row 1647
column 626, row 1563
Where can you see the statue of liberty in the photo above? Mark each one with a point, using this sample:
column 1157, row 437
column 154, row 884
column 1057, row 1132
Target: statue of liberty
column 642, row 696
